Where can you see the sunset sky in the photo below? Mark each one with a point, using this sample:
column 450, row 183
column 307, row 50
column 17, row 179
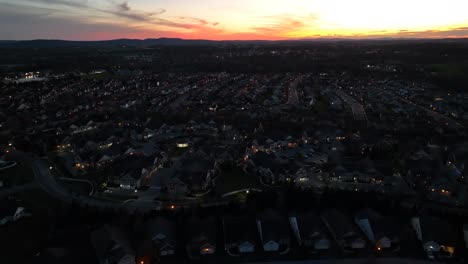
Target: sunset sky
column 231, row 19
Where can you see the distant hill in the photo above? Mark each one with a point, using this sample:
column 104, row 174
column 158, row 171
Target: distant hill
column 51, row 43
column 43, row 43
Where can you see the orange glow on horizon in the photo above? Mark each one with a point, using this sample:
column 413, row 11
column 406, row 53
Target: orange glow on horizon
column 234, row 20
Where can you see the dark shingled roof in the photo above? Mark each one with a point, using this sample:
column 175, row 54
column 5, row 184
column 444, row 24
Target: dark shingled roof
column 274, row 226
column 311, row 226
column 202, row 231
column 101, row 242
column 110, row 243
column 340, row 223
column 239, row 229
column 438, row 230
column 388, row 226
column 193, row 170
column 161, row 225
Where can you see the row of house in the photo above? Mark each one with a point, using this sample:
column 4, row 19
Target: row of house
column 273, row 233
column 280, row 161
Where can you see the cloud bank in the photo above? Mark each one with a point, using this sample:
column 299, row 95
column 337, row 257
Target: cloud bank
column 110, row 19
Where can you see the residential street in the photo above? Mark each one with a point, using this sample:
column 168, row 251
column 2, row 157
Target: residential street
column 50, row 185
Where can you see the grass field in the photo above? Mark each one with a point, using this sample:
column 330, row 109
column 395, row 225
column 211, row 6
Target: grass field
column 233, row 179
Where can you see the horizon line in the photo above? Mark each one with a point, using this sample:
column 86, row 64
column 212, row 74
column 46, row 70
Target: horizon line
column 232, row 40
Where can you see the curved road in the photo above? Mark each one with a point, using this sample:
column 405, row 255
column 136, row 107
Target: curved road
column 80, row 181
column 48, row 183
column 9, row 166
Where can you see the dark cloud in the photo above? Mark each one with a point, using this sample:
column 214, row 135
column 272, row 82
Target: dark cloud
column 194, row 19
column 124, row 6
column 70, row 3
column 461, row 32
column 25, row 22
column 128, row 15
column 133, row 15
column 20, row 24
column 125, row 11
column 281, row 24
column 15, row 8
column 121, row 9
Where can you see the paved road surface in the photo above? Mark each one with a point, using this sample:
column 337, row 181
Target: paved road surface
column 293, row 98
column 48, row 183
column 359, row 113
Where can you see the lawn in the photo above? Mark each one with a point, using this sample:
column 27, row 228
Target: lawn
column 233, row 179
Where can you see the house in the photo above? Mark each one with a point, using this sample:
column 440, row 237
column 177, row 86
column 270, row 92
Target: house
column 437, row 236
column 309, row 177
column 315, row 158
column 201, row 237
column 187, row 175
column 146, row 149
column 11, row 212
column 271, row 168
column 147, row 252
column 239, row 235
column 162, row 233
column 111, row 246
column 130, row 169
column 274, row 232
column 105, row 159
column 381, row 230
column 127, row 182
column 196, row 172
column 310, row 232
column 465, row 234
column 166, row 179
column 344, row 232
